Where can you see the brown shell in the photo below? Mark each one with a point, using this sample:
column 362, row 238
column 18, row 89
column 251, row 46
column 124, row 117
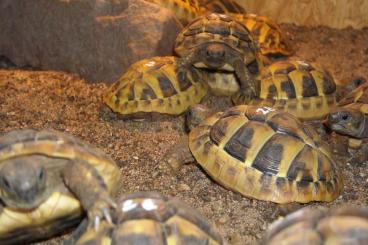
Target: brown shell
column 267, row 33
column 151, row 218
column 266, row 154
column 296, row 87
column 222, row 7
column 344, row 225
column 357, row 99
column 61, row 210
column 184, row 10
column 153, row 86
column 216, row 28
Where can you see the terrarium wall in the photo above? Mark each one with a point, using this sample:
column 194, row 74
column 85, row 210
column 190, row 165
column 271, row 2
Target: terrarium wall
column 332, row 13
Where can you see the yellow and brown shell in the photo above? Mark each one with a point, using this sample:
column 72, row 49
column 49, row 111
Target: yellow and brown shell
column 184, row 10
column 296, row 87
column 61, row 210
column 153, row 86
column 151, row 218
column 266, row 33
column 221, row 6
column 217, row 28
column 344, row 225
column 357, row 99
column 266, row 154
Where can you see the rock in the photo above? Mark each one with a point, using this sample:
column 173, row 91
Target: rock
column 95, row 38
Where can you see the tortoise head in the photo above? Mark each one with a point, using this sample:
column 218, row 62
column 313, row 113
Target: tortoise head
column 348, row 122
column 22, row 183
column 196, row 115
column 213, row 55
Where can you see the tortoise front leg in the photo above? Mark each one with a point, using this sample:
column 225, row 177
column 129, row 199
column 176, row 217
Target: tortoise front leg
column 183, row 64
column 88, row 186
column 179, row 154
column 249, row 86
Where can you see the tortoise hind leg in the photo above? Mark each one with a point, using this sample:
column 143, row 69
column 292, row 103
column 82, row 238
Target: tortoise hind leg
column 179, row 154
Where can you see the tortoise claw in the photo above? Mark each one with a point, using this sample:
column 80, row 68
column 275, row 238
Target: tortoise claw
column 101, row 210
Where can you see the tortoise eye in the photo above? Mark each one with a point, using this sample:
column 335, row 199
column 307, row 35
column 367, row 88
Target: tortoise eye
column 41, row 175
column 6, row 182
column 345, row 116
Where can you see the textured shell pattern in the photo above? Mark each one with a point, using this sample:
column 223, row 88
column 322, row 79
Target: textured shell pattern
column 184, row 10
column 216, row 28
column 344, row 225
column 61, row 207
column 152, row 85
column 357, row 99
column 270, row 38
column 222, row 7
column 296, row 87
column 267, row 155
column 150, row 218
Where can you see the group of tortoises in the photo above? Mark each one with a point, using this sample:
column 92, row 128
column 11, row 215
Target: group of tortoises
column 263, row 148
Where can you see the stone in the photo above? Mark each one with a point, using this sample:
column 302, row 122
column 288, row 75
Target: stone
column 97, row 39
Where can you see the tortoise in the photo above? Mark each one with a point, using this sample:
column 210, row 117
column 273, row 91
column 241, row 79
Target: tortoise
column 269, row 36
column 318, row 226
column 48, row 179
column 260, row 153
column 153, row 86
column 184, row 10
column 221, row 6
column 350, row 118
column 295, row 86
column 151, row 218
column 218, row 42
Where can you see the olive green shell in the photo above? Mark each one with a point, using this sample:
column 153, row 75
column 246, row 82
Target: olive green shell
column 150, row 218
column 153, row 86
column 267, row 33
column 221, row 6
column 61, row 210
column 216, row 28
column 295, row 87
column 184, row 10
column 266, row 154
column 310, row 226
column 357, row 99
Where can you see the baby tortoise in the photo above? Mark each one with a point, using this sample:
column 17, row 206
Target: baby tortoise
column 184, row 10
column 153, row 86
column 310, row 226
column 221, row 6
column 218, row 42
column 47, row 180
column 297, row 87
column 267, row 33
column 260, row 153
column 351, row 119
column 151, row 218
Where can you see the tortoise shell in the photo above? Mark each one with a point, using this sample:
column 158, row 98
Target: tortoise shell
column 221, row 6
column 344, row 225
column 61, row 210
column 153, row 86
column 296, row 87
column 217, row 28
column 184, row 10
column 357, row 99
column 151, row 218
column 266, row 154
column 267, row 33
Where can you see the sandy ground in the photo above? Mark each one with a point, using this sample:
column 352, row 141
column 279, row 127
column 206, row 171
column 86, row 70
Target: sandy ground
column 64, row 102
